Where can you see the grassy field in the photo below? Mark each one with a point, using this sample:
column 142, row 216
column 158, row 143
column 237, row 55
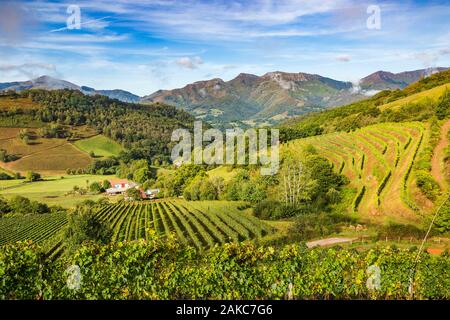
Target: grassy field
column 100, row 145
column 5, row 184
column 52, row 190
column 431, row 94
column 222, row 171
column 8, row 103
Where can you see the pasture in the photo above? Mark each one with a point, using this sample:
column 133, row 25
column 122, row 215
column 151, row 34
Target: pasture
column 52, row 190
column 100, row 145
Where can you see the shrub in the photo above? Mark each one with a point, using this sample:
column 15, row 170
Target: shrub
column 383, row 183
column 5, row 157
column 4, row 207
column 33, row 176
column 395, row 230
column 268, row 209
column 359, row 198
column 426, row 183
column 133, row 194
column 5, row 176
column 84, row 226
column 106, row 184
column 310, row 226
column 96, row 187
column 443, row 108
column 22, row 205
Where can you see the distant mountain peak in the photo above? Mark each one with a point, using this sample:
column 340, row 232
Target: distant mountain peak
column 50, row 83
column 248, row 96
column 246, row 76
column 382, row 80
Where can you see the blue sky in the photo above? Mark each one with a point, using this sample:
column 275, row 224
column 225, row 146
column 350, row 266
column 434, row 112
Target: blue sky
column 146, row 45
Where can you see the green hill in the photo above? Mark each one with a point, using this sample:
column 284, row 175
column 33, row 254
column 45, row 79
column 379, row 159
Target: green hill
column 417, row 102
column 393, row 147
column 144, row 129
column 100, row 145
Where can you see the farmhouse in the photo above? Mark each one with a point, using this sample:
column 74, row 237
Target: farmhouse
column 151, row 193
column 119, row 186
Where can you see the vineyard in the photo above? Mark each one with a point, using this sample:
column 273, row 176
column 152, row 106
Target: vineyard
column 378, row 161
column 164, row 269
column 200, row 224
column 38, row 228
column 43, row 229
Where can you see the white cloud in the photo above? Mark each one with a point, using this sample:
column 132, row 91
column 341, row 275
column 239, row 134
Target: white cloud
column 234, row 19
column 343, row 58
column 95, row 24
column 430, row 58
column 30, row 70
column 189, row 62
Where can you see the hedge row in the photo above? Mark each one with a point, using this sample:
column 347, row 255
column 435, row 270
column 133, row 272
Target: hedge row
column 383, row 183
column 358, row 198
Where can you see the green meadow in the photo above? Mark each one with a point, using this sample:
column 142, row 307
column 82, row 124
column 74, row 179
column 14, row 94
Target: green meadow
column 52, row 190
column 100, row 145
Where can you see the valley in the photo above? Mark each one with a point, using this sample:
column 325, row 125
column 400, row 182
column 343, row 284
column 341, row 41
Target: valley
column 374, row 173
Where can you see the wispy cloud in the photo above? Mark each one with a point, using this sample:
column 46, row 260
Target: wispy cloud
column 145, row 45
column 90, row 23
column 30, row 70
column 343, row 58
column 189, row 62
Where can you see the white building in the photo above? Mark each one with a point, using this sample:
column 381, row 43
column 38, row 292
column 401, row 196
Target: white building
column 119, row 186
column 152, row 193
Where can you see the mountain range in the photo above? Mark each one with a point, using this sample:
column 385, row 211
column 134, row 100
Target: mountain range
column 249, row 98
column 50, row 83
column 275, row 95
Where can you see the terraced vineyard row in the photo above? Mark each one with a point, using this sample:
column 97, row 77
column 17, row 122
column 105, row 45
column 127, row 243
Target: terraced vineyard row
column 201, row 224
column 38, row 228
column 377, row 160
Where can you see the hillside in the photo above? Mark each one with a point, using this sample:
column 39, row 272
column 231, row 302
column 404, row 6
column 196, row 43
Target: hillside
column 418, row 101
column 53, row 120
column 275, row 94
column 380, row 162
column 383, row 80
column 392, row 147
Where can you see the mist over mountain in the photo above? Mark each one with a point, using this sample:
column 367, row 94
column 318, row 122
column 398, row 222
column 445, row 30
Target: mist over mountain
column 277, row 95
column 248, row 98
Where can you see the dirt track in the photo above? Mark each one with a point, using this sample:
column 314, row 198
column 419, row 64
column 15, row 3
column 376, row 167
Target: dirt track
column 328, row 241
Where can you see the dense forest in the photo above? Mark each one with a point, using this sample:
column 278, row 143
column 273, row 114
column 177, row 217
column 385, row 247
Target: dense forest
column 145, row 130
